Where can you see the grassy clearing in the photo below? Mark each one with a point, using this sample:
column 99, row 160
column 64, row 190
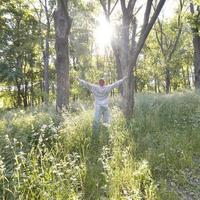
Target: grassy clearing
column 156, row 156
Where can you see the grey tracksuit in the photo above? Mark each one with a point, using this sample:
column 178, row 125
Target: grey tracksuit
column 101, row 95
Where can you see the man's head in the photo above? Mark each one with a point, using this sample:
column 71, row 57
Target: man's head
column 101, row 82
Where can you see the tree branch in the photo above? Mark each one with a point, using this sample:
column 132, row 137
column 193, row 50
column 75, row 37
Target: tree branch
column 104, row 7
column 123, row 6
column 147, row 14
column 176, row 39
column 159, row 40
column 131, row 5
column 113, row 7
column 108, row 10
column 144, row 35
column 42, row 3
column 161, row 37
column 150, row 25
column 133, row 42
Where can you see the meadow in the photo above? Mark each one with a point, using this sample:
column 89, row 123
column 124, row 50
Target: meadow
column 156, row 156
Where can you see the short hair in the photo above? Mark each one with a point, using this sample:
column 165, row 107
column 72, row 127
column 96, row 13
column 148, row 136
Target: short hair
column 101, row 81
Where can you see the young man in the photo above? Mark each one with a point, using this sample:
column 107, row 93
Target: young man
column 101, row 95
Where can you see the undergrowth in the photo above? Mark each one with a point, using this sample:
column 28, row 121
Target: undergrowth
column 151, row 157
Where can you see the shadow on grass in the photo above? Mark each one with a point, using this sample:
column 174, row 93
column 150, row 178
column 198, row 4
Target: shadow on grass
column 95, row 180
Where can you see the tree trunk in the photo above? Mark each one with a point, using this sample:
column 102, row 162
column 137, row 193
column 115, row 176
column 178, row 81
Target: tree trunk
column 135, row 81
column 196, row 44
column 62, row 29
column 155, row 84
column 184, row 78
column 41, row 98
column 128, row 92
column 46, row 55
column 25, row 94
column 167, row 80
column 32, row 89
column 19, row 101
column 159, row 91
column 128, row 95
column 188, row 78
column 46, row 65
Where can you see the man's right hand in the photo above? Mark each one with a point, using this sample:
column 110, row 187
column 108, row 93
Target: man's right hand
column 125, row 77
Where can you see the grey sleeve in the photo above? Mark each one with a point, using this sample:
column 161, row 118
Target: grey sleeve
column 86, row 84
column 117, row 83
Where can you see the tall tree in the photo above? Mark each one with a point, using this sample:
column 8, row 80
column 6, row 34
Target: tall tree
column 62, row 29
column 128, row 52
column 195, row 11
column 18, row 49
column 44, row 14
column 168, row 43
column 48, row 7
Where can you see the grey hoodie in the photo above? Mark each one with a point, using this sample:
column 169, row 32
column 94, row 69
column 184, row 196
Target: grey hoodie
column 101, row 93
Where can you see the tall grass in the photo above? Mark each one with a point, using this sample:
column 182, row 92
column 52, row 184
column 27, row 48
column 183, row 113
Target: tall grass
column 166, row 131
column 150, row 158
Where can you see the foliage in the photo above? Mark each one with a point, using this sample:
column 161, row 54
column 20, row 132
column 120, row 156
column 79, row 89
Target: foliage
column 150, row 74
column 19, row 50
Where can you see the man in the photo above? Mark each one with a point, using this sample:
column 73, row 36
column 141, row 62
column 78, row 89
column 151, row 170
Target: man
column 101, row 94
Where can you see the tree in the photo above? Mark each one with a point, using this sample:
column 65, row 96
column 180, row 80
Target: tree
column 128, row 52
column 44, row 13
column 195, row 11
column 168, row 43
column 18, row 50
column 48, row 7
column 151, row 75
column 62, row 29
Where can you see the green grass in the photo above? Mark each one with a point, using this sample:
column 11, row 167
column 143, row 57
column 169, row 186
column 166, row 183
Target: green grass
column 155, row 156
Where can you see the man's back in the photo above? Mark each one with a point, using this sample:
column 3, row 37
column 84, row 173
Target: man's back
column 101, row 93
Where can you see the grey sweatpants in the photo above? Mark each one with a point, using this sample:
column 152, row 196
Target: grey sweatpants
column 100, row 111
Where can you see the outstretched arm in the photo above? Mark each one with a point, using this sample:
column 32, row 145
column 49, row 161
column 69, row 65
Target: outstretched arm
column 117, row 83
column 85, row 84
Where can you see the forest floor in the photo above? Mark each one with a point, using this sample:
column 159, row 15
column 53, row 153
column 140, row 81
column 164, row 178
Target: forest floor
column 154, row 156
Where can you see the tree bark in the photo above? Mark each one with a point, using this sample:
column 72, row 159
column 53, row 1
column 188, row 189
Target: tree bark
column 32, row 89
column 46, row 57
column 62, row 29
column 167, row 80
column 128, row 91
column 19, row 101
column 25, row 94
column 188, row 77
column 196, row 45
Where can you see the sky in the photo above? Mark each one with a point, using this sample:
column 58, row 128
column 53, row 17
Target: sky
column 169, row 8
column 103, row 31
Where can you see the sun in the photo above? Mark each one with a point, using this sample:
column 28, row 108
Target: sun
column 103, row 34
